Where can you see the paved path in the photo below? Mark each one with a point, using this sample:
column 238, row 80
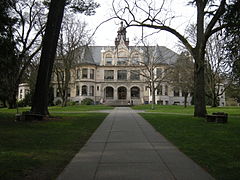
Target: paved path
column 126, row 147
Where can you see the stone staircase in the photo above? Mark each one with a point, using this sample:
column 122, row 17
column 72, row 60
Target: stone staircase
column 122, row 102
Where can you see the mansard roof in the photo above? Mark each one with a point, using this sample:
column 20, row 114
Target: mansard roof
column 92, row 54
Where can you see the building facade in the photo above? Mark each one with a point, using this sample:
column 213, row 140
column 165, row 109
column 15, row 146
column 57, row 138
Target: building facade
column 111, row 75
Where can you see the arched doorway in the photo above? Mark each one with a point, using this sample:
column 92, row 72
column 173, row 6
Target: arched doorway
column 135, row 93
column 122, row 93
column 109, row 92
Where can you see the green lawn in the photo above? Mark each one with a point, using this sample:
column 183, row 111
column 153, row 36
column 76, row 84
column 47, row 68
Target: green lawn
column 216, row 147
column 233, row 110
column 40, row 150
column 55, row 109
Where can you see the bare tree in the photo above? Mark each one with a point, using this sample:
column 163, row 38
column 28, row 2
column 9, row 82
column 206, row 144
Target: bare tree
column 55, row 16
column 73, row 36
column 182, row 75
column 218, row 71
column 154, row 69
column 31, row 19
column 146, row 14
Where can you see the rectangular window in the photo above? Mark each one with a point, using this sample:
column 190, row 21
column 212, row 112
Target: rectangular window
column 122, row 61
column 176, row 92
column 108, row 74
column 78, row 73
column 166, row 90
column 91, row 91
column 135, row 75
column 84, row 73
column 68, row 92
column 122, row 74
column 91, row 73
column 77, row 91
column 159, row 90
column 159, row 72
column 108, row 61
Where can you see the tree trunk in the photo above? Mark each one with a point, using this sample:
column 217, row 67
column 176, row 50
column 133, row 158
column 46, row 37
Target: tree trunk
column 199, row 88
column 214, row 101
column 185, row 99
column 12, row 100
column 153, row 96
column 40, row 98
column 198, row 54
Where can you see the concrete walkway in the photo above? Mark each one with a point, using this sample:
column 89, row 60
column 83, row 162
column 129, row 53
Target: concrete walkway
column 126, row 147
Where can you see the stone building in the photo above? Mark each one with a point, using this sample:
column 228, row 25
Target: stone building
column 110, row 75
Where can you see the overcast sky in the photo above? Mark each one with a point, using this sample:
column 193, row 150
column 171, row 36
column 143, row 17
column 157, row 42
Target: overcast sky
column 106, row 34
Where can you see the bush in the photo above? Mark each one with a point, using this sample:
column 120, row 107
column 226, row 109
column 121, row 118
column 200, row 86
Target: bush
column 72, row 103
column 87, row 101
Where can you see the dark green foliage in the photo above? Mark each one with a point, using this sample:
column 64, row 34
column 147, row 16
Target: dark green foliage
column 87, row 101
column 232, row 34
column 83, row 6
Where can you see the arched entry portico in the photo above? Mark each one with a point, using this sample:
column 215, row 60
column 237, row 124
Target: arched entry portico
column 109, row 92
column 135, row 92
column 122, row 93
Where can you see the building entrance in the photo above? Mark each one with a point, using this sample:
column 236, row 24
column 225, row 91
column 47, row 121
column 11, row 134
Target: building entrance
column 122, row 93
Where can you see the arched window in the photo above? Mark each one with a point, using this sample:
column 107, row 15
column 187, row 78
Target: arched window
column 135, row 59
column 109, row 92
column 84, row 90
column 135, row 92
column 108, row 59
column 122, row 93
column 122, row 58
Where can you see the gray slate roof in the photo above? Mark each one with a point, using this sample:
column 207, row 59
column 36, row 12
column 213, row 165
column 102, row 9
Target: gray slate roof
column 92, row 54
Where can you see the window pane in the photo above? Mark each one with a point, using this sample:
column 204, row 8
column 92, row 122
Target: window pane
column 122, row 75
column 108, row 74
column 135, row 75
column 91, row 73
column 85, row 73
column 84, row 90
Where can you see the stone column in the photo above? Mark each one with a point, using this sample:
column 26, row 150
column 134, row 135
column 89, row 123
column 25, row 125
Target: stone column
column 115, row 93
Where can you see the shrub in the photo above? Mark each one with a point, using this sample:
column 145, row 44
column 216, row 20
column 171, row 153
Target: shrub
column 87, row 101
column 71, row 103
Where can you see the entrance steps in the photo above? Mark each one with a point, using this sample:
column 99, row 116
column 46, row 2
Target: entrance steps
column 123, row 103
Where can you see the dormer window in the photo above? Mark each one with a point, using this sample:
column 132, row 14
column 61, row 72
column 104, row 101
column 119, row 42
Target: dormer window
column 122, row 58
column 135, row 59
column 108, row 59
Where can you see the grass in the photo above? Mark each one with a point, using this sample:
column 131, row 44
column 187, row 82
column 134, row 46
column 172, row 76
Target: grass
column 55, row 109
column 232, row 110
column 214, row 146
column 40, row 150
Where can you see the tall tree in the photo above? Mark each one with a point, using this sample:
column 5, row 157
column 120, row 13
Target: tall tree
column 182, row 76
column 8, row 63
column 31, row 19
column 74, row 36
column 154, row 68
column 144, row 14
column 40, row 98
column 218, row 71
column 55, row 16
column 232, row 34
